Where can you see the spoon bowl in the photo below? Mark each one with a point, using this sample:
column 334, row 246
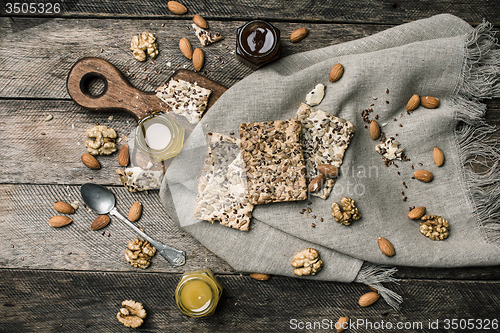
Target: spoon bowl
column 101, row 200
column 98, row 198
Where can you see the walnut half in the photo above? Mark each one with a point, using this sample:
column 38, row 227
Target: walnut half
column 132, row 314
column 142, row 43
column 434, row 227
column 348, row 213
column 139, row 253
column 307, row 262
column 104, row 140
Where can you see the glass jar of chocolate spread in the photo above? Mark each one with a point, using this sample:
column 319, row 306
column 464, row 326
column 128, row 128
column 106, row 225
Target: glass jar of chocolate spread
column 257, row 44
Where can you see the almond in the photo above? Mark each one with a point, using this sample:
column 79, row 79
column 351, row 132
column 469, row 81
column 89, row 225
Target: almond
column 100, row 222
column 342, row 324
column 63, row 207
column 374, row 130
column 200, row 21
column 423, row 175
column 368, row 298
column 429, row 102
column 328, row 170
column 416, row 213
column 59, row 221
column 386, row 247
column 260, row 277
column 336, row 72
column 135, row 211
column 90, row 161
column 176, row 8
column 316, row 183
column 123, row 156
column 298, row 35
column 413, row 103
column 186, row 48
column 438, row 156
column 198, row 59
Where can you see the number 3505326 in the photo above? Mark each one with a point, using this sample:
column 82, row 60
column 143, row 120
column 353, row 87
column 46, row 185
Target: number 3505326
column 32, row 8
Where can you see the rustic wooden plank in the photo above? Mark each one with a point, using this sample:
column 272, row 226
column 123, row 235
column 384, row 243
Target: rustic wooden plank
column 55, row 158
column 30, row 242
column 345, row 11
column 37, row 54
column 69, row 301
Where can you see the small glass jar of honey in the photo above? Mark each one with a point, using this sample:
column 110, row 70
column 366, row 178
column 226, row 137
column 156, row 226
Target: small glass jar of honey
column 198, row 293
column 159, row 136
column 257, row 44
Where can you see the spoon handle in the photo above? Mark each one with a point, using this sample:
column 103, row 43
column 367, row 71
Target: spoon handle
column 173, row 256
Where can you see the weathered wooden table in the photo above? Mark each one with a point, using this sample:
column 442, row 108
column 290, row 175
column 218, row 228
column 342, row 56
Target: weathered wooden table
column 74, row 279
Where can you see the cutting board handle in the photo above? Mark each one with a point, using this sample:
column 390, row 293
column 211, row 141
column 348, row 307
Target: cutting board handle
column 118, row 94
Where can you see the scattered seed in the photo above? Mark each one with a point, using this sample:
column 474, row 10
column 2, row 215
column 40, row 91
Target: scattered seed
column 313, row 225
column 395, row 119
column 309, row 203
column 314, row 216
column 182, row 235
column 70, row 253
column 412, row 166
column 420, row 164
column 412, row 177
column 163, row 24
column 387, row 91
column 266, row 299
column 372, row 104
column 321, row 219
column 402, row 192
column 43, row 133
column 366, row 126
column 376, row 116
column 399, row 173
column 386, row 102
column 405, row 198
column 12, row 245
column 400, row 125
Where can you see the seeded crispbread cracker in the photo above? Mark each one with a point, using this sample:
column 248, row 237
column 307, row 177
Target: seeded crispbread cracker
column 184, row 98
column 137, row 179
column 222, row 189
column 272, row 152
column 205, row 37
column 325, row 139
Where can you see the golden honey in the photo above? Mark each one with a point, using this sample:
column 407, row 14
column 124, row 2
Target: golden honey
column 159, row 136
column 198, row 293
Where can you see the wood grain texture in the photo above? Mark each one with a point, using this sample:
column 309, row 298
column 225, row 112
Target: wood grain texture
column 44, row 301
column 28, row 241
column 36, row 151
column 41, row 52
column 344, row 11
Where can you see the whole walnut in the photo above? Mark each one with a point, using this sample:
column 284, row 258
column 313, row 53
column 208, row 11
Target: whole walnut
column 104, row 140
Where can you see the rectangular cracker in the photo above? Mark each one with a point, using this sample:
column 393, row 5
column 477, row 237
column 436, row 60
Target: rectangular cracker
column 185, row 99
column 272, row 152
column 325, row 139
column 222, row 189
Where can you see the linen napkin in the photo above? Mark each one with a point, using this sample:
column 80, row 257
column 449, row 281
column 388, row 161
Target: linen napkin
column 441, row 56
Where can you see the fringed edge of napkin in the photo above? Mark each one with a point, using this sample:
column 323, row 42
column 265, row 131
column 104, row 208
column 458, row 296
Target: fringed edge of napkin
column 373, row 276
column 481, row 80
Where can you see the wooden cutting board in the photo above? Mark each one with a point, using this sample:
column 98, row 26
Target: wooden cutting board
column 120, row 94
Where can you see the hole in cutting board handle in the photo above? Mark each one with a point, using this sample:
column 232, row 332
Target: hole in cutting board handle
column 93, row 85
